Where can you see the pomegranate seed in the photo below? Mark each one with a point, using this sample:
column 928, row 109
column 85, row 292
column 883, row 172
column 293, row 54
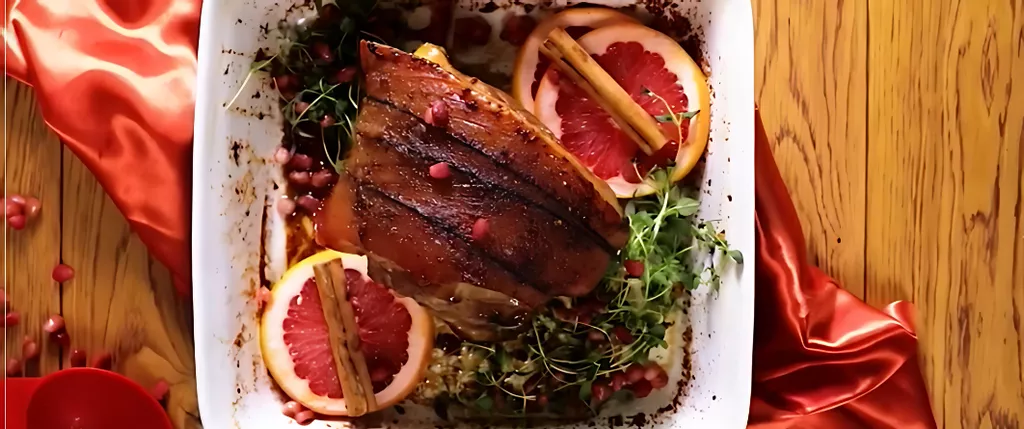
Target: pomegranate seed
column 596, row 336
column 13, row 367
column 600, row 391
column 304, row 417
column 159, row 390
column 619, row 381
column 440, row 171
column 262, row 296
column 32, row 207
column 54, row 324
column 17, row 199
column 327, row 121
column 634, row 268
column 77, row 358
column 622, row 334
column 61, row 338
column 288, row 82
column 12, row 319
column 323, row 52
column 329, row 14
column 660, row 381
column 653, row 370
column 16, row 222
column 345, row 75
column 62, row 273
column 301, row 178
column 641, row 389
column 308, row 202
column 559, row 377
column 437, row 114
column 29, row 349
column 103, row 361
column 635, row 373
column 301, row 162
column 291, row 408
column 322, row 178
column 542, row 400
column 480, row 229
column 282, row 155
column 300, row 107
column 285, row 206
column 12, row 208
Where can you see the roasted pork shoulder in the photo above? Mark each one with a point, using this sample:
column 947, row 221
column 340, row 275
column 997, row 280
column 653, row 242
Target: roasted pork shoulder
column 513, row 220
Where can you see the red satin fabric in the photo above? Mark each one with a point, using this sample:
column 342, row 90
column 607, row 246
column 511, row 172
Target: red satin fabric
column 115, row 80
column 822, row 357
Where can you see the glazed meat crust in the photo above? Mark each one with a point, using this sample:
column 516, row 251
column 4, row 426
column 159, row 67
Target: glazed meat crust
column 550, row 228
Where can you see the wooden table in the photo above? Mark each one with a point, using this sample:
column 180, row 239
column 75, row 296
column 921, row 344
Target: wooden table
column 896, row 125
column 120, row 300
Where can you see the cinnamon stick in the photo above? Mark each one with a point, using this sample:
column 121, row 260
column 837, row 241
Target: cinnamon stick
column 616, row 100
column 568, row 71
column 343, row 332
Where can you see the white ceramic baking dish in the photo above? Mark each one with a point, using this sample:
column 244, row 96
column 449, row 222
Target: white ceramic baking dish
column 233, row 185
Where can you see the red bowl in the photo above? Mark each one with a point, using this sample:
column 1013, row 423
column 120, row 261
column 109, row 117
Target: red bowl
column 89, row 398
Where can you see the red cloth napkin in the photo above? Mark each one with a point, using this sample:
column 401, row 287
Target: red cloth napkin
column 115, row 79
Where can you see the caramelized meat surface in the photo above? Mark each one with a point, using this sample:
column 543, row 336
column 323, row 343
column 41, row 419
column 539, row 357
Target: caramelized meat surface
column 550, row 228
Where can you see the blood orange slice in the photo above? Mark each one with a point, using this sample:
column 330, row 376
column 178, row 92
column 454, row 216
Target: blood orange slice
column 530, row 65
column 396, row 335
column 659, row 75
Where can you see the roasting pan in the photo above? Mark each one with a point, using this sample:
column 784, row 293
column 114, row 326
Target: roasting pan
column 237, row 233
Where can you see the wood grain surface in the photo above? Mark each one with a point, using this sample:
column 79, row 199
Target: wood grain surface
column 34, row 155
column 945, row 152
column 896, row 125
column 120, row 301
column 810, row 85
column 900, row 134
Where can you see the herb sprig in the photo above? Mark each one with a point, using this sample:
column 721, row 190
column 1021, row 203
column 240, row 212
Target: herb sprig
column 586, row 341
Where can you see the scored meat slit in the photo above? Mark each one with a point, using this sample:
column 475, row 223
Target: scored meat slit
column 480, row 270
column 464, row 238
column 457, row 203
column 523, row 276
column 522, row 186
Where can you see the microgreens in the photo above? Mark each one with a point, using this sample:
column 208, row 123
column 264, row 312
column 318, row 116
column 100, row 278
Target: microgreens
column 560, row 353
column 673, row 117
column 329, row 105
column 256, row 67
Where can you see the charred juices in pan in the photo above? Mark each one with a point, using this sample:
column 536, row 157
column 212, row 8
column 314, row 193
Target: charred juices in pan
column 549, row 292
